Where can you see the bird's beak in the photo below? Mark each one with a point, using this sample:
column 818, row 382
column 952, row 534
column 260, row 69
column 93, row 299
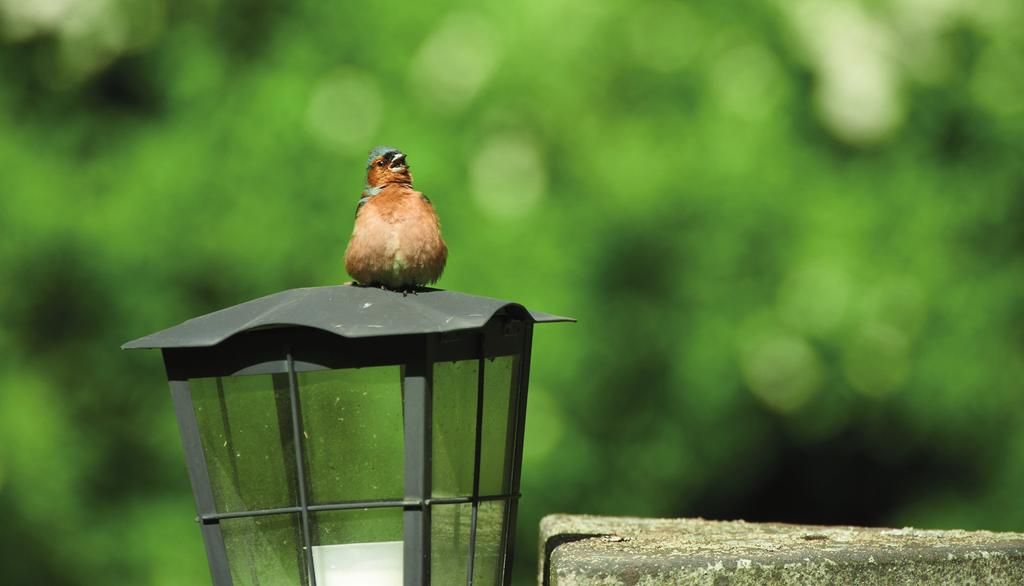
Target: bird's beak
column 397, row 162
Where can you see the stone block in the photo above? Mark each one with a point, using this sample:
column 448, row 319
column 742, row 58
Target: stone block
column 622, row 551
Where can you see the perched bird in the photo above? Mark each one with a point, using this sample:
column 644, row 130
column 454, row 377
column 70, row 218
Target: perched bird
column 396, row 240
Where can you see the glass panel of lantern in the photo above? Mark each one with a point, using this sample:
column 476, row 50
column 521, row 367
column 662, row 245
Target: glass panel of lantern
column 456, row 391
column 353, row 448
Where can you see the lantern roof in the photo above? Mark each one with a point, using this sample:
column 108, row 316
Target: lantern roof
column 345, row 310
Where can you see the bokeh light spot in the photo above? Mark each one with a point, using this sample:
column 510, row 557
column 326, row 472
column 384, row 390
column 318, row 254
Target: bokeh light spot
column 507, row 176
column 813, row 298
column 345, row 110
column 876, row 360
column 782, row 370
column 858, row 101
column 858, row 95
column 899, row 303
column 21, row 19
column 89, row 34
column 456, row 61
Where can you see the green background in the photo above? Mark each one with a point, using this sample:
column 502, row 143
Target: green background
column 791, row 232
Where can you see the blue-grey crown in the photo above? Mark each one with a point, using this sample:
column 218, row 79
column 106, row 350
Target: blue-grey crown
column 378, row 151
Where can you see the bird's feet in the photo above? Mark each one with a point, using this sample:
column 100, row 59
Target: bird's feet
column 405, row 290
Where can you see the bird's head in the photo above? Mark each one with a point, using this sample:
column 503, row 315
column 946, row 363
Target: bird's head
column 387, row 165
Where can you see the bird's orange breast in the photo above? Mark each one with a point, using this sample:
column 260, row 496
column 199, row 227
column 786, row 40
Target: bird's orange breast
column 396, row 240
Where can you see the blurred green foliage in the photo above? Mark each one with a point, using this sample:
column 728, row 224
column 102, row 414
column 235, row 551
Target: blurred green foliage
column 791, row 231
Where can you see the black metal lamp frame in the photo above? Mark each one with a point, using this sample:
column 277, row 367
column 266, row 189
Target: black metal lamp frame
column 289, row 350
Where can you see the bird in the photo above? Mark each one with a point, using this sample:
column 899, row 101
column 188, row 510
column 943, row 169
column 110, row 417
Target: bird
column 396, row 239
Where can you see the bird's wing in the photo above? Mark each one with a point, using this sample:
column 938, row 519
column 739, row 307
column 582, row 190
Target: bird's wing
column 362, row 202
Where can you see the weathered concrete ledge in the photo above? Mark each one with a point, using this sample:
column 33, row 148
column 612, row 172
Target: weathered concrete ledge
column 623, row 551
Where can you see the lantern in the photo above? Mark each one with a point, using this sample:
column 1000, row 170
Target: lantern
column 350, row 435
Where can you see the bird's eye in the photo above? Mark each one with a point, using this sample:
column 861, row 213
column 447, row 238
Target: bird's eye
column 380, row 163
